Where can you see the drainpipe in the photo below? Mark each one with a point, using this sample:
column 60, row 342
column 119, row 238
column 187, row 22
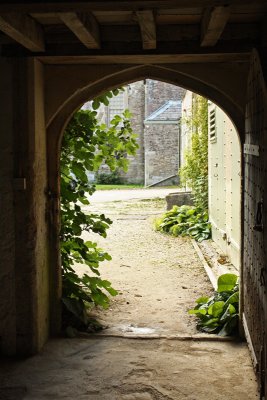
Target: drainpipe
column 179, row 144
column 144, row 131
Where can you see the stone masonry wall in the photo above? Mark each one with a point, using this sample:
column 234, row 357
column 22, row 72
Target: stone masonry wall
column 7, row 243
column 158, row 92
column 136, row 102
column 161, row 153
column 150, row 165
column 161, row 140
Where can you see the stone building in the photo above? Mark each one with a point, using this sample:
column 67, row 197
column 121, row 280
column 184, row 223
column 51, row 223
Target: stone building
column 156, row 114
column 224, row 176
column 162, row 144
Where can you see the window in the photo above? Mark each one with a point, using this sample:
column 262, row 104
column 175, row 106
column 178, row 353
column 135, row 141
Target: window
column 212, row 126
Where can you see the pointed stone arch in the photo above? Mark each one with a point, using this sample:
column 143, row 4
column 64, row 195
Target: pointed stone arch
column 222, row 83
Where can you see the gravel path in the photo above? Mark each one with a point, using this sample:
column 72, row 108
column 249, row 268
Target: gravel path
column 150, row 350
column 158, row 276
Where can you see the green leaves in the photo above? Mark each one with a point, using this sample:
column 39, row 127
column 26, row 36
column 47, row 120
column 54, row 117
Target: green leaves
column 194, row 172
column 219, row 313
column 226, row 282
column 216, row 308
column 86, row 145
column 185, row 221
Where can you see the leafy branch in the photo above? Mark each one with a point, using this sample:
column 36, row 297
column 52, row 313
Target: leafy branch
column 86, row 145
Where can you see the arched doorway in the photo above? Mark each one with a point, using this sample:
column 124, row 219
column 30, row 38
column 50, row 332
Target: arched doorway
column 195, row 78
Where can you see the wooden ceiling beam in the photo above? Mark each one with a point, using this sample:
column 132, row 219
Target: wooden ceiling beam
column 212, row 24
column 84, row 26
column 109, row 5
column 147, row 25
column 148, row 59
column 24, row 30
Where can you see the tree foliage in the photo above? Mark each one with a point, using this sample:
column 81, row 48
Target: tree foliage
column 194, row 173
column 86, row 145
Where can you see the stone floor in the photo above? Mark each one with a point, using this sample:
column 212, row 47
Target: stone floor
column 105, row 368
column 150, row 349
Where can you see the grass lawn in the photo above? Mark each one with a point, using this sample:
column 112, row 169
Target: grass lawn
column 121, row 187
column 118, row 187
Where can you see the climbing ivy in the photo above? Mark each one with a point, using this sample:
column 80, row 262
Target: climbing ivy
column 86, row 145
column 194, row 173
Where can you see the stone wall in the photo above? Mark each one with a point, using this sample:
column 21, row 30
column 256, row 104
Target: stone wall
column 24, row 269
column 158, row 92
column 161, row 154
column 7, row 242
column 24, row 262
column 136, row 102
column 151, row 165
column 158, row 154
column 32, row 265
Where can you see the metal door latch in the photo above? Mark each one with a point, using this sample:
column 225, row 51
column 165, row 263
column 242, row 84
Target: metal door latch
column 262, row 277
column 258, row 222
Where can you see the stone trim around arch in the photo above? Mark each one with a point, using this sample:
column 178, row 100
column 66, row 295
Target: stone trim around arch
column 221, row 83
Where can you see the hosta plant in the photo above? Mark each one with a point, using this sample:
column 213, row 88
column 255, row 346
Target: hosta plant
column 185, row 221
column 219, row 313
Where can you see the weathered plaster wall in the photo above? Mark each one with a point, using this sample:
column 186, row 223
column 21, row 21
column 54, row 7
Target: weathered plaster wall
column 7, row 242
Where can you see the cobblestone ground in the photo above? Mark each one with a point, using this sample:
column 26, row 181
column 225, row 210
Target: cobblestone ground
column 150, row 349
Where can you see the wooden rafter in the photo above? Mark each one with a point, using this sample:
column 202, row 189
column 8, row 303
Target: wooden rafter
column 213, row 24
column 85, row 6
column 84, row 26
column 147, row 25
column 24, row 30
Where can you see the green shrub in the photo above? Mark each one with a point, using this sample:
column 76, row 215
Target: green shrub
column 110, row 178
column 219, row 313
column 185, row 221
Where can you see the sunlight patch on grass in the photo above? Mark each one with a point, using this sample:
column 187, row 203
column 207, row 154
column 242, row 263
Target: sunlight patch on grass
column 118, row 187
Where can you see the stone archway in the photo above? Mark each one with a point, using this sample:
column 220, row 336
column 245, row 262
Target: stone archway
column 211, row 81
